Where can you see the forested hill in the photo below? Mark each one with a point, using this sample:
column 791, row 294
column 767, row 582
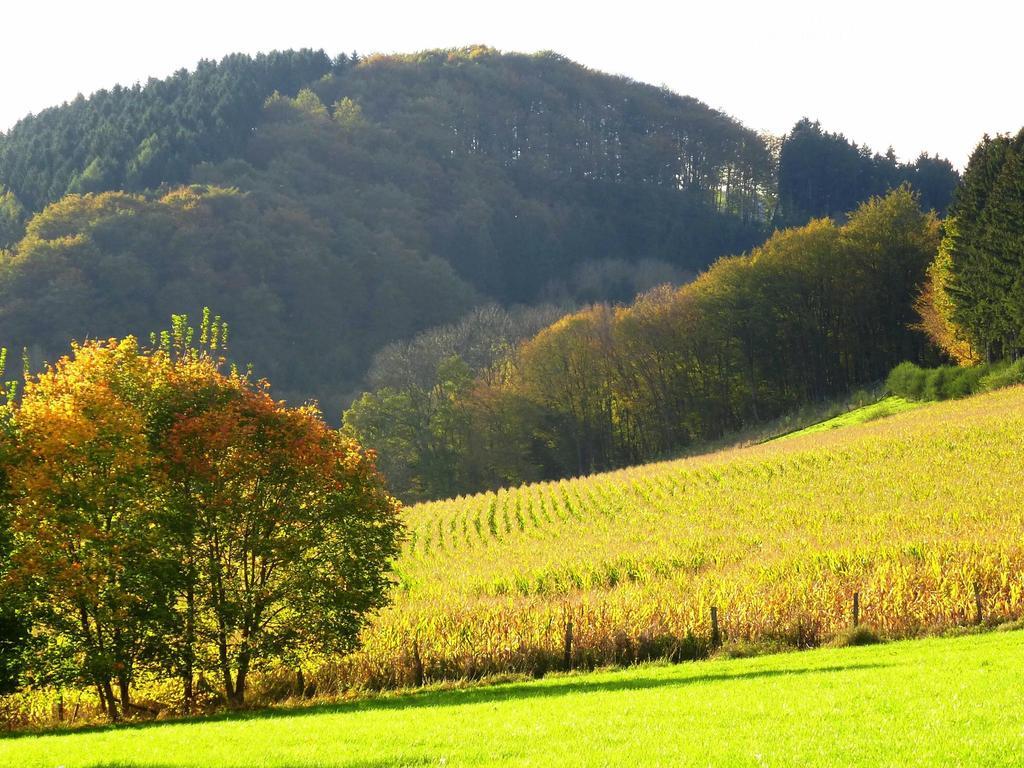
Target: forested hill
column 142, row 136
column 335, row 205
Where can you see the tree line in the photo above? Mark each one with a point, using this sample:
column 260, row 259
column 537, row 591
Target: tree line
column 824, row 174
column 815, row 311
column 162, row 517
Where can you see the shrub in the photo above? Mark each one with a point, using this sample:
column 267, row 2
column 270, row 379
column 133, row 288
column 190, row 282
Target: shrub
column 949, row 382
column 936, row 383
column 997, row 377
column 907, row 380
column 966, row 379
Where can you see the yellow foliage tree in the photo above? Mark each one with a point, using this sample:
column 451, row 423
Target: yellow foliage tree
column 935, row 307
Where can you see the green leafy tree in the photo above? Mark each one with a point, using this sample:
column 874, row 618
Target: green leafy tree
column 417, row 416
column 935, row 306
column 986, row 251
column 419, row 430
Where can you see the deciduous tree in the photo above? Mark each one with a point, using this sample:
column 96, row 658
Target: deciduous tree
column 170, row 516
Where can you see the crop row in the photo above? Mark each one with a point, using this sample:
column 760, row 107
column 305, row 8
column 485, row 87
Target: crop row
column 914, row 513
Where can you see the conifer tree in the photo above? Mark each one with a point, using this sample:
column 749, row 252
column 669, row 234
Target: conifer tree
column 985, row 250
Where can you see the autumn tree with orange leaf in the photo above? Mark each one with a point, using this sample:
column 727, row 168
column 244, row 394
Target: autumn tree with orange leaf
column 170, row 515
column 289, row 532
column 88, row 551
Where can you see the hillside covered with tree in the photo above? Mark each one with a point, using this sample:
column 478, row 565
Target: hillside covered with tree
column 328, row 207
column 345, row 204
column 814, row 312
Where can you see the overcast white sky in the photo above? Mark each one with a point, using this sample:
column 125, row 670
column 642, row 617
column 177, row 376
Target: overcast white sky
column 920, row 76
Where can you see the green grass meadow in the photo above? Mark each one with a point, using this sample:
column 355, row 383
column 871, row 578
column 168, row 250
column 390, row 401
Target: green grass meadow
column 953, row 701
column 888, row 406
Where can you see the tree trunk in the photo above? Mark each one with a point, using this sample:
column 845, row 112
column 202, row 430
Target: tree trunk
column 122, row 668
column 243, row 672
column 239, row 695
column 123, row 690
column 187, row 693
column 189, row 665
column 225, row 669
column 102, row 697
column 222, row 650
column 225, row 665
column 108, row 692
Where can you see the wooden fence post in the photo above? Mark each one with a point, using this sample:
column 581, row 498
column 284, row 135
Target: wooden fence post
column 856, row 608
column 716, row 635
column 417, row 663
column 979, row 617
column 567, row 660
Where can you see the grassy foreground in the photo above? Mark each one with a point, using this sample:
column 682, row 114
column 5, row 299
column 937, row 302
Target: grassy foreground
column 926, row 702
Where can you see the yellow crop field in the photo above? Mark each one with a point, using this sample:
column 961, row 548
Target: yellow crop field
column 920, row 514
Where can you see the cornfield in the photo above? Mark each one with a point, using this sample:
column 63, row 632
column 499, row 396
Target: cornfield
column 920, row 515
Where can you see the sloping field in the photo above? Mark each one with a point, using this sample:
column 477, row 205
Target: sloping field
column 919, row 703
column 919, row 513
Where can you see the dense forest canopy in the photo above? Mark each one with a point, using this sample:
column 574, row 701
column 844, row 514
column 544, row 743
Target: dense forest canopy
column 334, row 206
